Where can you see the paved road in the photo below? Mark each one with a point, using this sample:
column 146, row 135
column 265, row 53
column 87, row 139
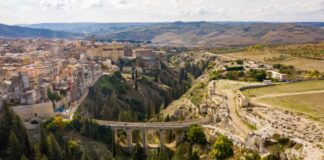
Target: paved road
column 80, row 100
column 78, row 103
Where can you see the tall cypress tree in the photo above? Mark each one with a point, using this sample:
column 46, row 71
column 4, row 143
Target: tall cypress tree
column 37, row 153
column 23, row 157
column 14, row 149
column 43, row 145
column 5, row 128
column 21, row 133
column 55, row 151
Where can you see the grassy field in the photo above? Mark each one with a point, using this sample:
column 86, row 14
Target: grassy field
column 286, row 88
column 309, row 104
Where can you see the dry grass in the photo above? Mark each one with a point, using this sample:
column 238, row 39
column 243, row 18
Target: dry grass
column 305, row 64
column 286, row 88
column 309, row 104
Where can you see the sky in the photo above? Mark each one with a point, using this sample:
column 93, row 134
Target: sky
column 42, row 11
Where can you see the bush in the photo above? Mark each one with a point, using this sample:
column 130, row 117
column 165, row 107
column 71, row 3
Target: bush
column 235, row 68
column 239, row 62
column 196, row 135
column 222, row 148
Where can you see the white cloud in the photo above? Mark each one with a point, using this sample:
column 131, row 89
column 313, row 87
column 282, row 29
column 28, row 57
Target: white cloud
column 160, row 10
column 71, row 4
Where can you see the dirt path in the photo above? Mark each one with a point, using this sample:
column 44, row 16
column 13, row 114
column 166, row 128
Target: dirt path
column 237, row 121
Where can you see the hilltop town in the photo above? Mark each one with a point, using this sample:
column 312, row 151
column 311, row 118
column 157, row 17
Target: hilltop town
column 31, row 69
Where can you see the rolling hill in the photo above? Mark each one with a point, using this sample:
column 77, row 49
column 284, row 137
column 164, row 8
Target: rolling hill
column 24, row 32
column 88, row 28
column 194, row 33
column 204, row 33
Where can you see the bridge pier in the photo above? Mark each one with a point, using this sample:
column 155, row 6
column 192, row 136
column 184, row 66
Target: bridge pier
column 162, row 135
column 179, row 137
column 129, row 140
column 144, row 139
column 115, row 136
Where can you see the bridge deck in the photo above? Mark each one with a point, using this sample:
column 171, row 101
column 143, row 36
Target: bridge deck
column 147, row 125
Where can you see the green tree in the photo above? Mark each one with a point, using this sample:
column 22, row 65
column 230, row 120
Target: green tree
column 43, row 145
column 240, row 62
column 222, row 148
column 37, row 153
column 14, row 150
column 53, row 97
column 23, row 157
column 55, row 151
column 5, row 128
column 194, row 156
column 139, row 153
column 44, row 157
column 271, row 157
column 196, row 135
column 21, row 133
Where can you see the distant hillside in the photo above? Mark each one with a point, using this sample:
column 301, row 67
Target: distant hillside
column 207, row 33
column 88, row 28
column 197, row 33
column 24, row 32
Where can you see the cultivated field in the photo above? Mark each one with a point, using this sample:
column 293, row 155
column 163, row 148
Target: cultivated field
column 309, row 104
column 298, row 62
column 303, row 57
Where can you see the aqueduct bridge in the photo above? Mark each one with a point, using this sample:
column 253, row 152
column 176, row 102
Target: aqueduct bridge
column 160, row 127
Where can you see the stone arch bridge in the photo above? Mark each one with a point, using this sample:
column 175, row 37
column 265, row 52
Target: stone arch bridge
column 160, row 127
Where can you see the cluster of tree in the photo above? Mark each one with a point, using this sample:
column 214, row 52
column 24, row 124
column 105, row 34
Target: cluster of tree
column 257, row 75
column 227, row 49
column 251, row 75
column 196, row 135
column 13, row 137
column 285, row 69
column 113, row 98
column 255, row 47
column 222, row 148
column 195, row 69
column 314, row 74
column 51, row 144
column 310, row 51
column 234, row 68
